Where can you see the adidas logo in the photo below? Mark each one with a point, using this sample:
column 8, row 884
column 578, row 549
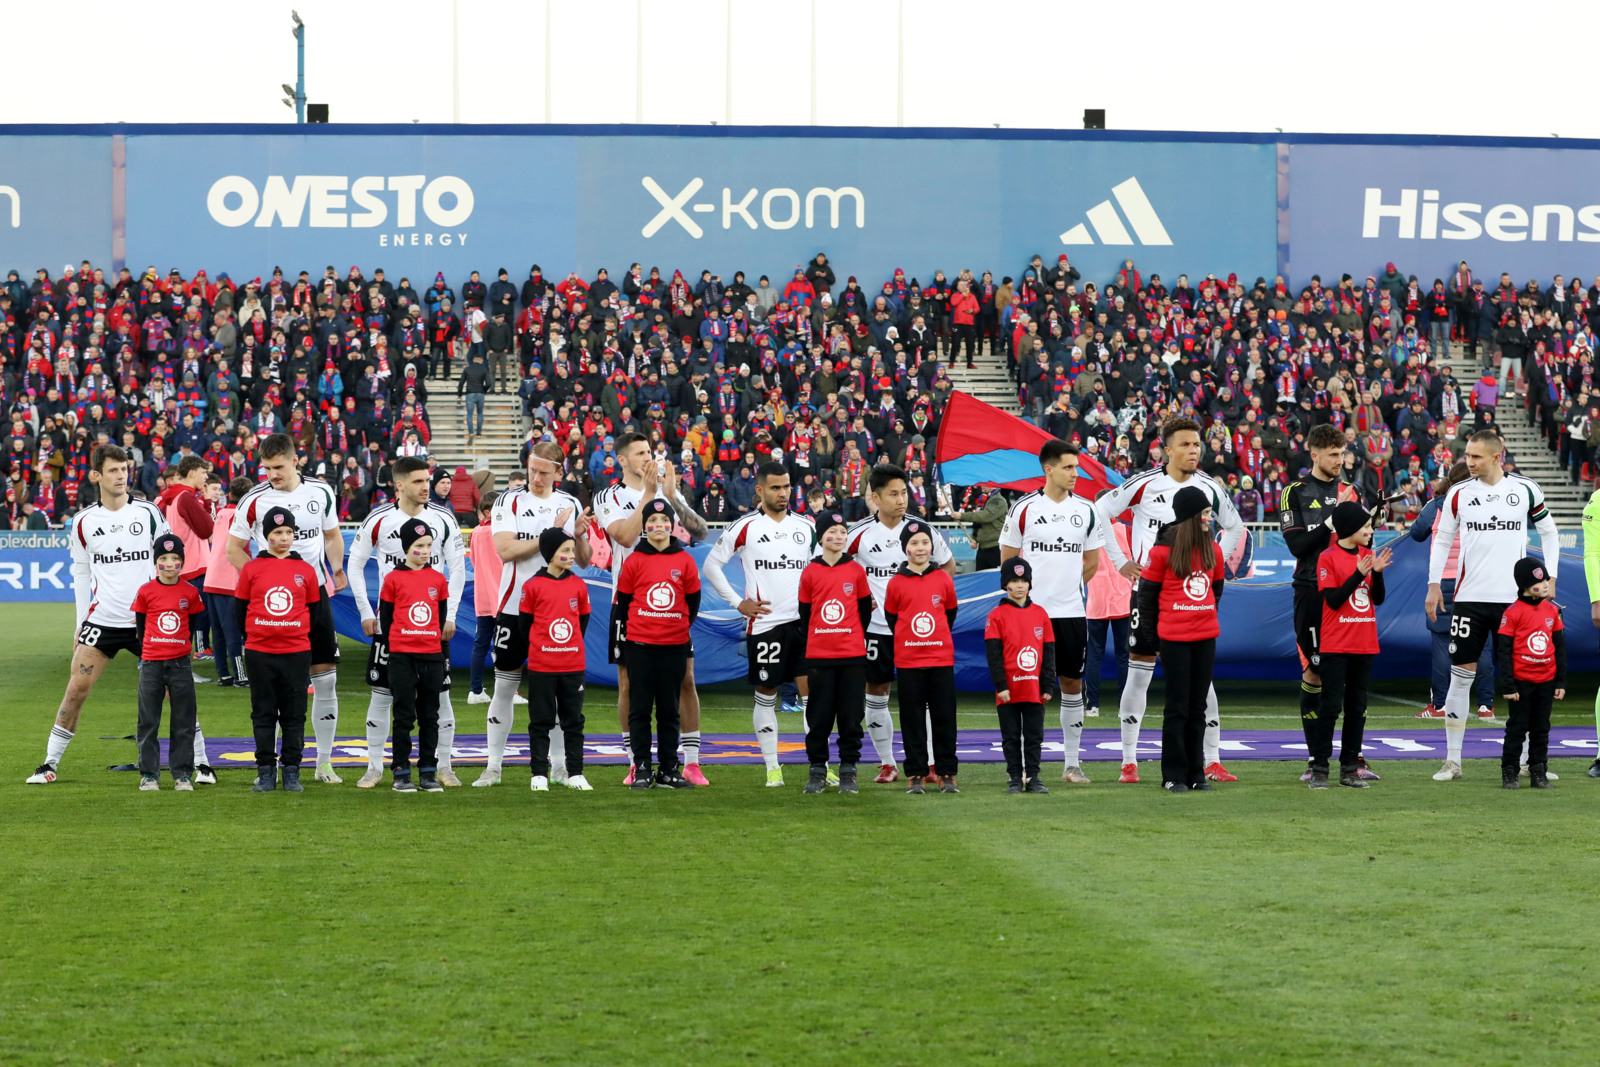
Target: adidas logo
column 1108, row 224
column 767, row 730
column 1131, row 720
column 494, row 720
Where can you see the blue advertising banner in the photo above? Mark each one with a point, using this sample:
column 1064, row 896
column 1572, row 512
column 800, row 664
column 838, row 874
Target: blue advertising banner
column 35, row 567
column 1532, row 211
column 770, row 204
column 55, row 203
column 416, row 204
column 411, row 204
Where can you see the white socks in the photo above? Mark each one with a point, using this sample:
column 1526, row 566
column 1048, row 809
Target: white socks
column 1072, row 725
column 447, row 731
column 880, row 728
column 501, row 712
column 200, row 759
column 690, row 742
column 325, row 713
column 558, row 752
column 1457, row 705
column 56, row 747
column 1130, row 707
column 380, row 712
column 1213, row 742
column 765, row 721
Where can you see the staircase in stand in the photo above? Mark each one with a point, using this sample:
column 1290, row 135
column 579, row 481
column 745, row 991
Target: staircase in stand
column 1527, row 444
column 500, row 442
column 988, row 381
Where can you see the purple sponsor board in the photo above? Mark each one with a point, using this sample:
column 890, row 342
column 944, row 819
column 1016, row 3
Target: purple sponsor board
column 977, row 746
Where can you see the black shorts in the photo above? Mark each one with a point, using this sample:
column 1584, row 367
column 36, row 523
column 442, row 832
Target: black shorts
column 1472, row 624
column 616, row 636
column 880, row 658
column 1143, row 640
column 109, row 640
column 324, row 638
column 1307, row 622
column 510, row 644
column 378, row 664
column 776, row 656
column 1072, row 648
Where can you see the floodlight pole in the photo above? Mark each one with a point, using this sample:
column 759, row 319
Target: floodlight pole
column 300, row 72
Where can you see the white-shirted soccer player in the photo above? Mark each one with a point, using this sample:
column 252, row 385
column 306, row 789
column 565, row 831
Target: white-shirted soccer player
column 1060, row 534
column 520, row 515
column 111, row 559
column 774, row 545
column 380, row 536
column 1149, row 496
column 875, row 544
column 317, row 539
column 616, row 508
column 1494, row 512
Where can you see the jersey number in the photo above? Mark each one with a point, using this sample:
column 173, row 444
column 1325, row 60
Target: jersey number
column 768, row 652
column 872, row 650
column 502, row 637
column 1133, row 619
column 90, row 636
column 1460, row 626
column 381, row 654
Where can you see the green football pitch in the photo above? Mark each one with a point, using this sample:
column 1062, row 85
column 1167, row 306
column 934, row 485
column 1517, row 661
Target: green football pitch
column 1262, row 923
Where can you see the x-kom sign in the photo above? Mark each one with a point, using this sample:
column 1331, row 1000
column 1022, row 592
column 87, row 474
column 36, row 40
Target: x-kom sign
column 778, row 209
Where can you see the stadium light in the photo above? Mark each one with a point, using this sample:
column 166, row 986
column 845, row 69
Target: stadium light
column 298, row 91
column 296, row 16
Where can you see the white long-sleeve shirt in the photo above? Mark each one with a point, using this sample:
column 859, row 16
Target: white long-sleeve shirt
column 1494, row 523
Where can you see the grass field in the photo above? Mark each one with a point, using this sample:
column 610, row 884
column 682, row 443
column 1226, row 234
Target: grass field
column 1262, row 923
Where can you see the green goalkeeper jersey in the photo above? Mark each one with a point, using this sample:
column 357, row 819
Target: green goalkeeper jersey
column 1591, row 545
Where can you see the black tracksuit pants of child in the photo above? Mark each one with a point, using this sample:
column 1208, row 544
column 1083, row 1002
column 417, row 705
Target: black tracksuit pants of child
column 655, row 675
column 1188, row 666
column 838, row 695
column 1345, row 678
column 156, row 678
column 416, row 679
column 1528, row 718
column 278, row 683
column 928, row 693
column 553, row 698
column 1021, row 737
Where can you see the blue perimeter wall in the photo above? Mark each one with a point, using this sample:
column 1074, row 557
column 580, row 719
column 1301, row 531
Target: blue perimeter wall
column 1257, row 613
column 419, row 199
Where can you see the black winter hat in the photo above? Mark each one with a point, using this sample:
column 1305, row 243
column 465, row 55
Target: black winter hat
column 657, row 506
column 169, row 545
column 1349, row 517
column 1529, row 572
column 911, row 529
column 551, row 540
column 827, row 520
column 1189, row 502
column 277, row 519
column 411, row 530
column 1015, row 568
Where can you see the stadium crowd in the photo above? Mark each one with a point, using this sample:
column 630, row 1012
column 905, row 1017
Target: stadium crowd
column 723, row 375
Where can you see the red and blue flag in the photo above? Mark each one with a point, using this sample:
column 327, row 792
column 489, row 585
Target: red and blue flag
column 979, row 444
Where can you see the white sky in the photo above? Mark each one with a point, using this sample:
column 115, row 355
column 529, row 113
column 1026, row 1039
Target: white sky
column 1399, row 66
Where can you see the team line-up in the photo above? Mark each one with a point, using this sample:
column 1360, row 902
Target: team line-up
column 843, row 610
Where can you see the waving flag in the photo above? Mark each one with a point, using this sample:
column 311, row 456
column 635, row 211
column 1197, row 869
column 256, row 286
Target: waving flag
column 979, row 444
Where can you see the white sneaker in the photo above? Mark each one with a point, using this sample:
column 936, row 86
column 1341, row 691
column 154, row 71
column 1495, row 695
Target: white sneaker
column 477, row 698
column 149, row 783
column 1449, row 771
column 43, row 776
column 374, row 776
column 558, row 772
column 447, row 777
column 204, row 775
column 490, row 776
column 200, row 679
column 518, row 698
column 1091, row 713
column 541, row 784
column 325, row 774
column 580, row 783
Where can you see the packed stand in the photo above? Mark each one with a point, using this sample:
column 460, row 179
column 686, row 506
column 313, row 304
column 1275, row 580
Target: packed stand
column 722, row 375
